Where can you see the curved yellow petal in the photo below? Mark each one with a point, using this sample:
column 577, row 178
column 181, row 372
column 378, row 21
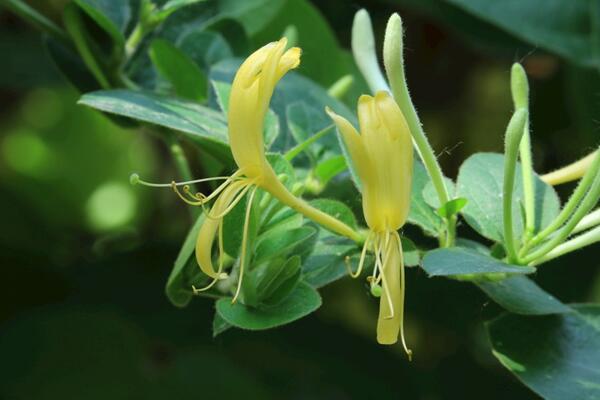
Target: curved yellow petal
column 354, row 144
column 249, row 100
column 208, row 230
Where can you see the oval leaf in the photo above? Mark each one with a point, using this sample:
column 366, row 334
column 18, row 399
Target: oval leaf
column 302, row 301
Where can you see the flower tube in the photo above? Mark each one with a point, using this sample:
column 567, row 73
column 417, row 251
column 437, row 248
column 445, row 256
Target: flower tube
column 383, row 157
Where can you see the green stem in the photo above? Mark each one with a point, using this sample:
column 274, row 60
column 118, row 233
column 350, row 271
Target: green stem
column 528, row 182
column 588, row 202
column 133, row 41
column 293, row 152
column 341, row 87
column 514, row 134
column 36, row 19
column 394, row 65
column 569, row 246
column 570, row 207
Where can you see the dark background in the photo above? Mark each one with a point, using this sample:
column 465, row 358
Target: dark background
column 84, row 257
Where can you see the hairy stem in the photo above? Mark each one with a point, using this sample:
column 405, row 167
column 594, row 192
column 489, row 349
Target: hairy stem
column 394, row 65
column 514, row 134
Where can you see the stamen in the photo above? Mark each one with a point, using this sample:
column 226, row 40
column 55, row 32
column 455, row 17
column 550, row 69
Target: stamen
column 135, row 179
column 244, row 244
column 376, row 277
column 361, row 262
column 198, row 198
column 220, row 275
column 235, row 202
column 402, row 294
column 382, row 275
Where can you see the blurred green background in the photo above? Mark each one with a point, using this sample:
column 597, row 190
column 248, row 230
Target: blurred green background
column 84, row 256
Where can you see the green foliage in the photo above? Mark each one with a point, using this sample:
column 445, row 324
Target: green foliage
column 458, row 262
column 184, row 75
column 302, row 301
column 480, row 181
column 421, row 213
column 569, row 32
column 198, row 123
column 555, row 355
column 521, row 295
column 179, row 285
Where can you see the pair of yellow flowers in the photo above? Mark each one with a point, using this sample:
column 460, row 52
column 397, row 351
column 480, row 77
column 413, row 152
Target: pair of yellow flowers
column 382, row 155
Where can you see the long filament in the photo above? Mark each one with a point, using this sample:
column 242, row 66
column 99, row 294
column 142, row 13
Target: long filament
column 244, row 244
column 386, row 289
column 214, row 178
column 402, row 294
column 234, row 203
column 361, row 262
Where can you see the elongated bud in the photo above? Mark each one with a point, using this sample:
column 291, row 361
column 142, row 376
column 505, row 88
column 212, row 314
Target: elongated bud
column 365, row 55
column 514, row 133
column 393, row 53
column 519, row 86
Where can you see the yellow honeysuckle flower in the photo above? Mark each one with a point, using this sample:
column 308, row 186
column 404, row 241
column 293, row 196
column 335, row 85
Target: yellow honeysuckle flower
column 383, row 157
column 249, row 100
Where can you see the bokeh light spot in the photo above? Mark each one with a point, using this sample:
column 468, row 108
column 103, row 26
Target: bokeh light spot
column 25, row 152
column 111, row 205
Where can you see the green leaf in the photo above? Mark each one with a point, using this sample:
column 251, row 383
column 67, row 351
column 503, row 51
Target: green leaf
column 179, row 289
column 480, row 181
column 278, row 280
column 285, row 219
column 410, row 252
column 112, row 16
column 303, row 122
column 336, row 209
column 330, row 168
column 35, row 18
column 205, row 48
column 254, row 15
column 219, row 325
column 421, row 213
column 430, row 194
column 302, row 301
column 521, row 295
column 461, row 261
column 70, row 66
column 184, row 75
column 199, row 124
column 327, row 262
column 452, row 207
column 567, row 31
column 557, row 356
column 276, row 244
column 233, row 32
column 173, row 5
column 233, row 226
